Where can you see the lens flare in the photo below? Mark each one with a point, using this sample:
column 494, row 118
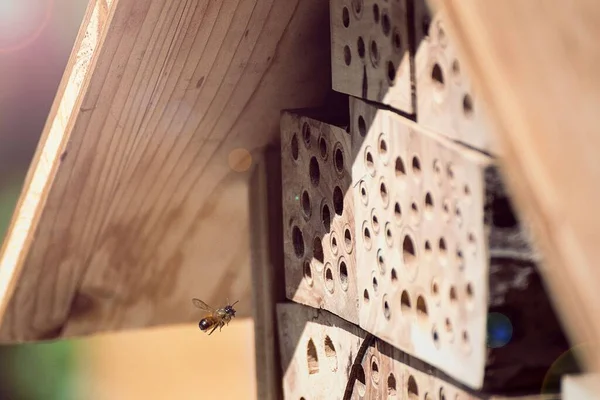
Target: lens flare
column 499, row 330
column 22, row 22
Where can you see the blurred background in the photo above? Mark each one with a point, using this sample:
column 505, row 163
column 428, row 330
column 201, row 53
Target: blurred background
column 176, row 362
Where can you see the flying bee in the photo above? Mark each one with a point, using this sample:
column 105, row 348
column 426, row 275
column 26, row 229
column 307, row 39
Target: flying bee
column 217, row 318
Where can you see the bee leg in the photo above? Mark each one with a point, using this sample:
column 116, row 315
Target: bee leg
column 213, row 329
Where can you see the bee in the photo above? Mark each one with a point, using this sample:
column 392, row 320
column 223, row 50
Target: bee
column 217, row 318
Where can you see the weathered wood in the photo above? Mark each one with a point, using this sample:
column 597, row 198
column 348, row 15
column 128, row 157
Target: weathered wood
column 319, row 348
column 446, row 100
column 136, row 199
column 371, row 52
column 438, row 248
column 318, row 215
column 534, row 64
column 267, row 272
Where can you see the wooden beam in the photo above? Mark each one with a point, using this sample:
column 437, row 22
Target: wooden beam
column 136, row 200
column 535, row 64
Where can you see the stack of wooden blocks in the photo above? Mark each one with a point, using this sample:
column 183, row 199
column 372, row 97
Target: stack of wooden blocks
column 396, row 224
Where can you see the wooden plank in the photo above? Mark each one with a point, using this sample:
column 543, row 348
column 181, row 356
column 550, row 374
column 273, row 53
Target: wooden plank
column 137, row 198
column 534, row 64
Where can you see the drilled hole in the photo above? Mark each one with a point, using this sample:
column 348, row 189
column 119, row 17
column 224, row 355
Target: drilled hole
column 357, row 6
column 467, row 191
column 334, row 244
column 421, row 307
column 362, row 126
column 394, row 275
column 405, row 303
column 338, row 200
column 374, row 54
column 298, row 241
column 329, row 284
column 435, row 289
column 458, row 214
column 427, row 247
column 386, row 26
column 460, row 259
column 382, row 147
column 375, row 223
column 399, row 167
column 367, row 237
column 343, row 274
column 397, row 40
column 414, row 211
column 455, row 68
column 366, row 296
column 387, row 312
column 306, row 204
column 469, row 290
column 339, row 160
column 412, row 388
column 391, row 72
column 345, row 17
column 448, row 326
column 468, row 105
column 397, row 212
column 442, row 247
column 437, row 77
column 388, row 234
column 326, row 217
column 409, row 253
column 314, row 172
column 347, row 55
column 312, row 358
column 323, row 147
column 450, row 171
column 416, row 165
column 318, row 250
column 442, row 394
column 375, row 284
column 435, row 336
column 348, row 239
column 391, row 386
column 381, row 261
column 295, row 147
column 370, row 163
column 360, row 47
column 429, row 203
column 446, row 208
column 383, row 192
column 363, row 193
column 330, row 353
column 307, row 273
column 453, row 295
column 376, row 13
column 306, row 134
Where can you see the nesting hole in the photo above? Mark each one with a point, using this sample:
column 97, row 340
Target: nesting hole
column 437, row 79
column 323, row 147
column 409, row 253
column 387, row 312
column 366, row 296
column 469, row 291
column 397, row 212
column 367, row 237
column 435, row 288
column 453, row 295
column 435, row 336
column 394, row 275
column 456, row 68
column 450, row 171
column 381, row 261
column 460, row 259
column 326, row 217
column 442, row 247
column 382, row 147
column 374, row 53
column 414, row 211
column 306, row 204
column 422, row 307
column 384, row 193
column 363, row 193
column 314, row 172
column 338, row 200
column 376, row 13
column 360, row 47
column 295, row 147
column 343, row 274
column 412, row 388
column 357, row 6
column 330, row 353
column 348, row 239
column 298, row 241
column 370, row 162
column 312, row 359
column 391, row 386
column 405, row 303
column 391, row 72
column 347, row 55
column 307, row 272
column 306, row 136
column 416, row 165
column 458, row 214
column 442, row 394
column 375, row 284
column 397, row 40
column 362, row 126
column 467, row 191
column 318, row 250
column 427, row 247
column 388, row 235
column 345, row 17
column 338, row 158
column 448, row 326
column 468, row 105
column 375, row 222
column 399, row 167
column 329, row 284
column 334, row 244
column 428, row 203
column 386, row 25
column 374, row 370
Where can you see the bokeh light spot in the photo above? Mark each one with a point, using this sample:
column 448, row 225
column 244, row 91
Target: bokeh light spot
column 499, row 330
column 240, row 160
column 22, row 22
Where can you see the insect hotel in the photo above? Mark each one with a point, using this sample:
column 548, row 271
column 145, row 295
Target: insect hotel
column 398, row 192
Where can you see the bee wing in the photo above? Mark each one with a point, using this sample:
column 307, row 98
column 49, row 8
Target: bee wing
column 202, row 305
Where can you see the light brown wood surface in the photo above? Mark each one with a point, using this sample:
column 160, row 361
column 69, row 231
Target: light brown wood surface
column 137, row 199
column 535, row 64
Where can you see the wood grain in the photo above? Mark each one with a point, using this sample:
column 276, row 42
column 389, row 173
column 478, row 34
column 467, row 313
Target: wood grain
column 535, row 63
column 133, row 204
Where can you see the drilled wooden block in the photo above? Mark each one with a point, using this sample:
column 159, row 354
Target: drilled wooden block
column 370, row 54
column 446, row 100
column 437, row 249
column 318, row 215
column 318, row 349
